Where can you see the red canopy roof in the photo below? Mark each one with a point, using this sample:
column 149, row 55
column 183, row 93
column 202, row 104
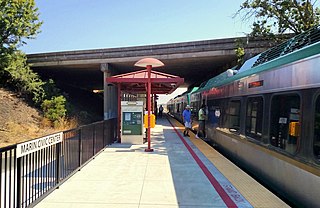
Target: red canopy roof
column 135, row 82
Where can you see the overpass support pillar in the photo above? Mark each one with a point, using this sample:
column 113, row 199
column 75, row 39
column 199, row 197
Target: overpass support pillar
column 110, row 100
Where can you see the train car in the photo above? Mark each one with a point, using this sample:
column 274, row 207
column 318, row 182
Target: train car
column 177, row 105
column 266, row 116
column 170, row 106
column 196, row 100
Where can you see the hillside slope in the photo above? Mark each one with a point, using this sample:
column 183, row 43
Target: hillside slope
column 18, row 121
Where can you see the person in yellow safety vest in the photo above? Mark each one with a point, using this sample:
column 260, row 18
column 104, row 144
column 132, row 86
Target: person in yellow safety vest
column 202, row 120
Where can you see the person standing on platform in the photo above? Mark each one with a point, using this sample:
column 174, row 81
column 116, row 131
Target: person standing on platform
column 160, row 111
column 187, row 120
column 202, row 120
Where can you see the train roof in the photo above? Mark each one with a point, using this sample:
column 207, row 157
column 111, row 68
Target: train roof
column 296, row 48
column 194, row 89
column 188, row 91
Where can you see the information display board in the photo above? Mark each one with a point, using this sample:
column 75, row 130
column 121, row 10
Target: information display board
column 131, row 122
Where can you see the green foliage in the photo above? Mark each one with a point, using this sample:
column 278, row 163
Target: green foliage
column 55, row 105
column 54, row 109
column 18, row 21
column 272, row 17
column 240, row 52
column 18, row 76
column 50, row 89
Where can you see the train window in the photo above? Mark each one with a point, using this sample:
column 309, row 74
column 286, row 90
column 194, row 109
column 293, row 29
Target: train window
column 216, row 112
column 316, row 143
column 254, row 117
column 233, row 115
column 194, row 110
column 284, row 126
column 178, row 107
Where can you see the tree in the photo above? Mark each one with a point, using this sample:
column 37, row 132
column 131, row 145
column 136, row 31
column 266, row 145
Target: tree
column 275, row 17
column 17, row 75
column 240, row 52
column 18, row 21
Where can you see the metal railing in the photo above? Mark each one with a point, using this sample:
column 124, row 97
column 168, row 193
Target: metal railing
column 27, row 179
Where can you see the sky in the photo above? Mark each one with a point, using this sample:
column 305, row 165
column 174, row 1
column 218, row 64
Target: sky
column 96, row 24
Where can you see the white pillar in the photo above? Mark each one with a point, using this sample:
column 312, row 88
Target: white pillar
column 110, row 101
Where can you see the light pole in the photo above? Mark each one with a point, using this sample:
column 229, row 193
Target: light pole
column 149, row 63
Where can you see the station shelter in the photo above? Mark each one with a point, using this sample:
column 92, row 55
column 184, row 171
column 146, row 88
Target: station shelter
column 144, row 82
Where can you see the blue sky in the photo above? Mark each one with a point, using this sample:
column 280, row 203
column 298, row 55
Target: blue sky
column 92, row 24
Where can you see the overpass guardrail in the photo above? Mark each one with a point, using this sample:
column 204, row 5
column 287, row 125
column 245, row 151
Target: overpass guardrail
column 33, row 169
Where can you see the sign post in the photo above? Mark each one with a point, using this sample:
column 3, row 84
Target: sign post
column 149, row 63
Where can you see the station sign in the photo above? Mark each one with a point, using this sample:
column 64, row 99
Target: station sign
column 38, row 144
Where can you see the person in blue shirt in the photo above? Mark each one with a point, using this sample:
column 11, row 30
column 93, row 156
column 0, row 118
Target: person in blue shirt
column 186, row 120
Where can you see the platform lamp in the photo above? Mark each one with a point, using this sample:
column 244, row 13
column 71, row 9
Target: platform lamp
column 149, row 63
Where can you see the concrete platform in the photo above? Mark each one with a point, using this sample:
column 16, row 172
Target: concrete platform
column 176, row 174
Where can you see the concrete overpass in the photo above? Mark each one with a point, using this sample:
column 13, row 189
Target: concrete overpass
column 87, row 69
column 194, row 61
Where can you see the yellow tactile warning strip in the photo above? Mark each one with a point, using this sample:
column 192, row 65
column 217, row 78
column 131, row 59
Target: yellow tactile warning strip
column 255, row 193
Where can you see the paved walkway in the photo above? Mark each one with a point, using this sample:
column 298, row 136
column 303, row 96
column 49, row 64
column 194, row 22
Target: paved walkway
column 175, row 175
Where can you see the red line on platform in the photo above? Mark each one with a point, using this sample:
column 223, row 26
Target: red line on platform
column 224, row 196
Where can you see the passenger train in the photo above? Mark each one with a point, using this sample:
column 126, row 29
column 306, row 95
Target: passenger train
column 265, row 115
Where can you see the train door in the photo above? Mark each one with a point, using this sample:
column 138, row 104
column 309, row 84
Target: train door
column 216, row 112
column 204, row 101
column 182, row 107
column 285, row 122
column 195, row 103
column 316, row 139
column 178, row 108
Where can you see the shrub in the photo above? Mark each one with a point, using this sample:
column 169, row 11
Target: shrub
column 55, row 108
column 50, row 89
column 16, row 74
